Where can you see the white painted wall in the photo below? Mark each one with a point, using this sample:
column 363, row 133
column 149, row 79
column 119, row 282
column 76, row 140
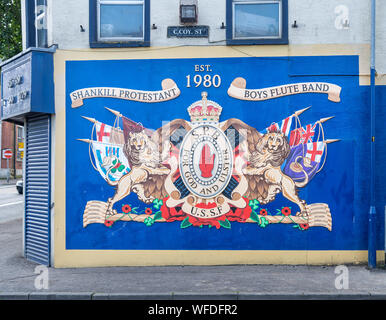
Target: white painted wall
column 318, row 23
column 65, row 18
column 165, row 13
column 380, row 57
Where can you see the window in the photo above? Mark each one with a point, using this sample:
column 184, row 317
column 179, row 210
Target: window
column 119, row 23
column 41, row 23
column 257, row 22
column 36, row 15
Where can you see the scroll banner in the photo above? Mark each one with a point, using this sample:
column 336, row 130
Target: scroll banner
column 238, row 90
column 169, row 91
column 212, row 213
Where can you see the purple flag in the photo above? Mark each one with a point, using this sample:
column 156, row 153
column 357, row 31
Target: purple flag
column 299, row 165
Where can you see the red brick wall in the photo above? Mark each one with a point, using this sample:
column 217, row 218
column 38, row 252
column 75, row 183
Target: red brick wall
column 8, row 135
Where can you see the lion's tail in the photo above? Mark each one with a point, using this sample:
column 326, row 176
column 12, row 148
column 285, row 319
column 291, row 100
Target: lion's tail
column 306, row 180
column 303, row 183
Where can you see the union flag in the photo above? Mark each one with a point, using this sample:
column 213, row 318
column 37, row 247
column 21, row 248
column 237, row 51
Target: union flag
column 283, row 126
column 304, row 135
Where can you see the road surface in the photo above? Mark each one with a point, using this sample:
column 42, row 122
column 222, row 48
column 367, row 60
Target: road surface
column 11, row 203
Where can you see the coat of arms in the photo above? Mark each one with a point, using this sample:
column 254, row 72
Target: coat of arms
column 206, row 171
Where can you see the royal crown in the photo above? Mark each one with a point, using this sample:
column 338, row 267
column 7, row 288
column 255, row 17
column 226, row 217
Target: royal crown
column 204, row 110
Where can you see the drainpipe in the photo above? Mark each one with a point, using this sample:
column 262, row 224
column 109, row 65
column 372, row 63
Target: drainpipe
column 372, row 259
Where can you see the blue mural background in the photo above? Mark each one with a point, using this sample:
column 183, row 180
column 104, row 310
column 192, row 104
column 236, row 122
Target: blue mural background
column 343, row 183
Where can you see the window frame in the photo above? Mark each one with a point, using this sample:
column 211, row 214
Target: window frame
column 32, row 38
column 97, row 42
column 283, row 23
column 41, row 16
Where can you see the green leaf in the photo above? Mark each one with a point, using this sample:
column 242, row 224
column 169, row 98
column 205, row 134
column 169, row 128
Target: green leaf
column 149, row 221
column 157, row 203
column 10, row 29
column 263, row 222
column 158, row 215
column 185, row 223
column 254, row 216
column 225, row 224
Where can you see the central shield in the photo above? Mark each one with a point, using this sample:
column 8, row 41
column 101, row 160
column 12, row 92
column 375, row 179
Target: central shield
column 206, row 161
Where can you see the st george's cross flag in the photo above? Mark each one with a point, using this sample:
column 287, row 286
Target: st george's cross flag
column 103, row 132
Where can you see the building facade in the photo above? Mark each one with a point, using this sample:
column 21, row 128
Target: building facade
column 201, row 132
column 12, row 138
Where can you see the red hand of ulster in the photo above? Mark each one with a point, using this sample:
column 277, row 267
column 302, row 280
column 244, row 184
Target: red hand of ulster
column 206, row 162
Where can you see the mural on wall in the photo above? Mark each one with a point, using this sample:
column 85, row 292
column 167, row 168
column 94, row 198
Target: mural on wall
column 207, row 171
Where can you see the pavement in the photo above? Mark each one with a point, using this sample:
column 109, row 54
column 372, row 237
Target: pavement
column 21, row 279
column 11, row 202
column 10, row 182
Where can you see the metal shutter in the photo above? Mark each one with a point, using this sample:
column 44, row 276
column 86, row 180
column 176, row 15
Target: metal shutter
column 37, row 190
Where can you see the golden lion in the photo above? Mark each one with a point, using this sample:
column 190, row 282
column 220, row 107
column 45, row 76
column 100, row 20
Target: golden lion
column 147, row 156
column 264, row 174
column 265, row 154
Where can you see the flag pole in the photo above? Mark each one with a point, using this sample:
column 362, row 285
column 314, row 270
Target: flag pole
column 84, row 140
column 117, row 113
column 326, row 119
column 296, row 114
column 299, row 112
column 331, row 140
column 90, row 119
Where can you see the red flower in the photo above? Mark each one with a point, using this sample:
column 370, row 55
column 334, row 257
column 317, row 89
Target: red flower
column 172, row 214
column 304, row 226
column 235, row 214
column 109, row 223
column 148, row 211
column 238, row 214
column 126, row 208
column 208, row 205
column 286, row 211
column 263, row 212
column 214, row 222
